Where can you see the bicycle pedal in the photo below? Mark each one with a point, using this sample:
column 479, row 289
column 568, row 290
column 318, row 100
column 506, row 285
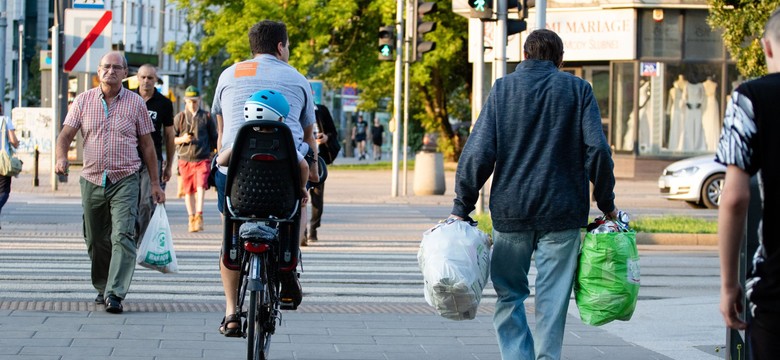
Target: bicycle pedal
column 287, row 304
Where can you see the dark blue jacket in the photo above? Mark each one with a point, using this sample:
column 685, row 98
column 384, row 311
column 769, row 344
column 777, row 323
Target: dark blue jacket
column 540, row 136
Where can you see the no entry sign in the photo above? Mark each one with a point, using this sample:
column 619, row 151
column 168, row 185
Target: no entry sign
column 87, row 39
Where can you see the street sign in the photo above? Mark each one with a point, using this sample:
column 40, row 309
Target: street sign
column 87, row 39
column 88, row 4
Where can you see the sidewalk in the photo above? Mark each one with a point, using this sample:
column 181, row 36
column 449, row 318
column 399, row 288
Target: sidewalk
column 304, row 335
column 81, row 330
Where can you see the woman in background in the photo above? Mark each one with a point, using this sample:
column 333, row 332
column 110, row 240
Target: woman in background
column 11, row 140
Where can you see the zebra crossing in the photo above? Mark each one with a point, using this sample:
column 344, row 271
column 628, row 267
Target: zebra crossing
column 360, row 258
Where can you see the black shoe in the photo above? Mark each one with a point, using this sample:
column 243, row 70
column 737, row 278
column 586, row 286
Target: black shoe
column 114, row 305
column 312, row 236
column 99, row 299
column 291, row 293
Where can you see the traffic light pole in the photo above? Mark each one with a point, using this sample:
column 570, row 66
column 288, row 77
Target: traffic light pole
column 410, row 45
column 499, row 41
column 478, row 80
column 399, row 27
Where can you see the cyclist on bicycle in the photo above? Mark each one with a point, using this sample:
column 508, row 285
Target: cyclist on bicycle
column 268, row 68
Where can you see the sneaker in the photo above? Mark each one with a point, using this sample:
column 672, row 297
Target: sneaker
column 199, row 222
column 312, row 236
column 193, row 226
column 291, row 293
column 99, row 299
column 114, row 305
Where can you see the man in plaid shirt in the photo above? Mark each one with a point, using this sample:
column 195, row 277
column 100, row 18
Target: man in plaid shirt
column 114, row 124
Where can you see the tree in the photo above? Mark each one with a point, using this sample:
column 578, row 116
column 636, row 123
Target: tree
column 335, row 41
column 742, row 22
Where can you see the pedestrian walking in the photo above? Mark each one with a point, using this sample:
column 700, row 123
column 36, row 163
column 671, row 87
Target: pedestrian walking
column 377, row 136
column 196, row 140
column 268, row 68
column 114, row 124
column 748, row 147
column 317, row 192
column 160, row 111
column 359, row 133
column 539, row 136
column 10, row 141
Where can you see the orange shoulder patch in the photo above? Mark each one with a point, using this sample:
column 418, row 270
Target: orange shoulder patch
column 246, row 69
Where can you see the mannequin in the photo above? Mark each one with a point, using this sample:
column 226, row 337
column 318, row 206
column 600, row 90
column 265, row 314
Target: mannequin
column 693, row 137
column 645, row 133
column 676, row 110
column 710, row 118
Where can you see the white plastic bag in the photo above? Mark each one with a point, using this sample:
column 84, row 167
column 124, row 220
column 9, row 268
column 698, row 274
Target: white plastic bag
column 454, row 258
column 156, row 249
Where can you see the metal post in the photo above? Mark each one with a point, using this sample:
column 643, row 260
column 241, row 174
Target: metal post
column 36, row 156
column 399, row 29
column 161, row 37
column 55, row 86
column 541, row 14
column 3, row 26
column 124, row 26
column 499, row 41
column 476, row 102
column 411, row 9
column 21, row 62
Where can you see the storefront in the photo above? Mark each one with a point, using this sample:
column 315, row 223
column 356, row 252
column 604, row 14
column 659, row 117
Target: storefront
column 661, row 77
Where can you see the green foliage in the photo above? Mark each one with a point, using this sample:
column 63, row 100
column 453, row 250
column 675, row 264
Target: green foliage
column 335, row 41
column 742, row 22
column 666, row 224
column 675, row 224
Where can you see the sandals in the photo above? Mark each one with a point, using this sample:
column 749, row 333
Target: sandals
column 224, row 329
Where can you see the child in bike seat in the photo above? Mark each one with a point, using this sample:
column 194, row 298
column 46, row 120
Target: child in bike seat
column 269, row 105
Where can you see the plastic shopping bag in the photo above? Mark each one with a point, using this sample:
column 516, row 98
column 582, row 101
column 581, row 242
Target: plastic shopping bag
column 454, row 258
column 607, row 283
column 156, row 249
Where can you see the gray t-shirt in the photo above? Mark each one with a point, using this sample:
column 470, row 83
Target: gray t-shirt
column 238, row 82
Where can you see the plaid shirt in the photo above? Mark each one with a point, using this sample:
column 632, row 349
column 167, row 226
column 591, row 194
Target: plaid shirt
column 110, row 133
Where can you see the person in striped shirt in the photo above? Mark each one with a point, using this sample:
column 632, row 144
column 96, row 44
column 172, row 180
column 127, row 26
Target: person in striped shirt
column 115, row 124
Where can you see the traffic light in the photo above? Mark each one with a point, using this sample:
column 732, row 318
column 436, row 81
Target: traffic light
column 481, row 9
column 420, row 27
column 386, row 43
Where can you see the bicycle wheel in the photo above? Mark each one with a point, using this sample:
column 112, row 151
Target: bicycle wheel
column 258, row 320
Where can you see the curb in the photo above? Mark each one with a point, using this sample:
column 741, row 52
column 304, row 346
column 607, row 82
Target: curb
column 676, row 239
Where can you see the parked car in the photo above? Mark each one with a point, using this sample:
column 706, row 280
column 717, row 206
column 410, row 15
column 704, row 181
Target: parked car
column 697, row 180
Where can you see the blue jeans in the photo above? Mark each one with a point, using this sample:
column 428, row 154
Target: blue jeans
column 556, row 263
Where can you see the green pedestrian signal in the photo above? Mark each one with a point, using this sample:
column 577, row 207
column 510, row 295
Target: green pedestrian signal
column 481, row 9
column 386, row 43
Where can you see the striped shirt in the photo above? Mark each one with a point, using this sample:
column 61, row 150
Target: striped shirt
column 110, row 133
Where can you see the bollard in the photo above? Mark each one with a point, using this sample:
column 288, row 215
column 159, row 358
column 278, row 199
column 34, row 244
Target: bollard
column 428, row 173
column 36, row 154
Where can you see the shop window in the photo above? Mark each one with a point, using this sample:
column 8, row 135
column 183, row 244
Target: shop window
column 661, row 39
column 623, row 131
column 701, row 43
column 693, row 108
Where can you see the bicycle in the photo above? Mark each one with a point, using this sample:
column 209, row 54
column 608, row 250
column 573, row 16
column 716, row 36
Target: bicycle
column 262, row 206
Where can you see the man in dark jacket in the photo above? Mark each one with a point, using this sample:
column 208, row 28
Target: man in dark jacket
column 327, row 130
column 540, row 137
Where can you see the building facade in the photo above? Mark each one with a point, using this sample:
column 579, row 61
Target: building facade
column 139, row 27
column 660, row 74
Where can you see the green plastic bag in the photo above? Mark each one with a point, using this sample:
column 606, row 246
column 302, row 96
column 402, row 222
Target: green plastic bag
column 607, row 283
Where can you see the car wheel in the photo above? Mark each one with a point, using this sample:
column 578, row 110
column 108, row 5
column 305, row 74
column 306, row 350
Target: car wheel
column 711, row 190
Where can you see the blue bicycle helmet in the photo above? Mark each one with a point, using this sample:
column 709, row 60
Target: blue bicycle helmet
column 266, row 105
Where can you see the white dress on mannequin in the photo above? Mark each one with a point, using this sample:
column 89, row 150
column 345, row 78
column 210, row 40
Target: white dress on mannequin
column 693, row 136
column 710, row 118
column 676, row 110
